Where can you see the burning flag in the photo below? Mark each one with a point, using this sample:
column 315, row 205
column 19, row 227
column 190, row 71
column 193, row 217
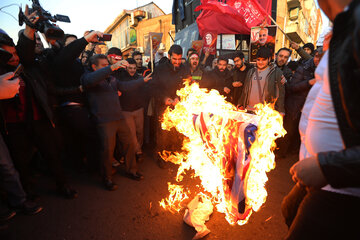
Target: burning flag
column 230, row 151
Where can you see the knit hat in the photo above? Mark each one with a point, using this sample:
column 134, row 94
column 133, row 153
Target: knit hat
column 6, row 40
column 310, row 46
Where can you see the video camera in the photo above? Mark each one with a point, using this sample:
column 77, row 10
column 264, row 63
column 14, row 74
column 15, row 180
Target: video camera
column 44, row 24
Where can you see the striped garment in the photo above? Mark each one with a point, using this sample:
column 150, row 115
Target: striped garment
column 234, row 163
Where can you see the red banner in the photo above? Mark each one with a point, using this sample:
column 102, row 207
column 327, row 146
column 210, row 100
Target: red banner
column 233, row 17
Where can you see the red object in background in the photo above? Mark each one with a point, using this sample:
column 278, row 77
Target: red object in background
column 233, row 17
column 210, row 39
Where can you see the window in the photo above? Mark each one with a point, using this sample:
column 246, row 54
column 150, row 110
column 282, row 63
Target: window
column 294, row 13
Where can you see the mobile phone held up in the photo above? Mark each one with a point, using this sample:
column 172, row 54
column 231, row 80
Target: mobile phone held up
column 106, row 37
column 19, row 69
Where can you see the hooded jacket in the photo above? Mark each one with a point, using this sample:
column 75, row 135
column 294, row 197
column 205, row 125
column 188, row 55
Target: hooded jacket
column 274, row 90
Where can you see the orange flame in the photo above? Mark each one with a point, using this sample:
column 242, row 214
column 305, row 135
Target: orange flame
column 207, row 159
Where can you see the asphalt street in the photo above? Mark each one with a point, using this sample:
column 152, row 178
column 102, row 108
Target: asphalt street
column 132, row 211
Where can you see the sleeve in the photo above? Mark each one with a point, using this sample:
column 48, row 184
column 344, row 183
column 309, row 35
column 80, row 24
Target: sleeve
column 25, row 48
column 341, row 169
column 69, row 53
column 303, row 54
column 298, row 83
column 130, row 85
column 91, row 79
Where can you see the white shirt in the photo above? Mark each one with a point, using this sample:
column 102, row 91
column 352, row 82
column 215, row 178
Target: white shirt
column 319, row 129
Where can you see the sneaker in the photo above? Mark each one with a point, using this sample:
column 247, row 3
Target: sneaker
column 135, row 176
column 110, row 185
column 29, row 208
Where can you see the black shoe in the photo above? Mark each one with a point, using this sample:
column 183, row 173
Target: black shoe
column 135, row 176
column 29, row 208
column 139, row 158
column 6, row 214
column 67, row 192
column 110, row 185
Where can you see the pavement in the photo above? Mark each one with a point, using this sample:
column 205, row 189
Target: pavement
column 132, row 212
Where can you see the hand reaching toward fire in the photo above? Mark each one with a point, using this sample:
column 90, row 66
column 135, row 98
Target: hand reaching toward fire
column 308, row 173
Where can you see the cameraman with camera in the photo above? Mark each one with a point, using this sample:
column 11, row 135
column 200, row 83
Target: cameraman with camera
column 28, row 116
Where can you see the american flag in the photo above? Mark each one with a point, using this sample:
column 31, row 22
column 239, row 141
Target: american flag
column 236, row 160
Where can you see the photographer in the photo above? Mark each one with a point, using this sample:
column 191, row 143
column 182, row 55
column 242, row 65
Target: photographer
column 28, row 117
column 102, row 93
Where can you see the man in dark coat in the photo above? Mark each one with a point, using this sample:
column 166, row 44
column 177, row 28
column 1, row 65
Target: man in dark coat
column 29, row 117
column 220, row 78
column 167, row 79
column 239, row 74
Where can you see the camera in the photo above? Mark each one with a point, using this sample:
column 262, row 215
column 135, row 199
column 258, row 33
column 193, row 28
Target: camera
column 106, row 37
column 46, row 21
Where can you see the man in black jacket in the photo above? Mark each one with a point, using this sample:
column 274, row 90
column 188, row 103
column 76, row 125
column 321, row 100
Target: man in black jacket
column 29, row 118
column 219, row 78
column 331, row 168
column 132, row 104
column 78, row 130
column 102, row 93
column 140, row 69
column 239, row 74
column 167, row 79
column 297, row 90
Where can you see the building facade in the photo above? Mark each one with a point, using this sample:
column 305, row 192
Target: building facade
column 130, row 27
column 300, row 19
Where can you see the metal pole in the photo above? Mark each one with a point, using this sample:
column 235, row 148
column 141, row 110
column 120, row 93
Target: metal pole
column 151, row 54
column 280, row 28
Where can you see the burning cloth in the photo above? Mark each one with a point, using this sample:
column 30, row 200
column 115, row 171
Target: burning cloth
column 230, row 151
column 235, row 163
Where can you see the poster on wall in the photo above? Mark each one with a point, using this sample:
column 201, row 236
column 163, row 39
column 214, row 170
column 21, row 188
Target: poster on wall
column 262, row 37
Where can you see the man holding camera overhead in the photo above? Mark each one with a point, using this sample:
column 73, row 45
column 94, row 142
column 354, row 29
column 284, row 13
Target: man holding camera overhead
column 28, row 116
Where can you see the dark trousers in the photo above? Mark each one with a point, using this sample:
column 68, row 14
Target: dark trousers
column 24, row 139
column 10, row 180
column 326, row 215
column 291, row 140
column 79, row 134
column 107, row 134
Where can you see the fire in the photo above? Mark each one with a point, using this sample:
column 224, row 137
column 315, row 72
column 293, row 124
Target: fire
column 212, row 150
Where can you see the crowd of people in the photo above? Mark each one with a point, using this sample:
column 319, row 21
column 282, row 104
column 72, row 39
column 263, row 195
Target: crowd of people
column 98, row 110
